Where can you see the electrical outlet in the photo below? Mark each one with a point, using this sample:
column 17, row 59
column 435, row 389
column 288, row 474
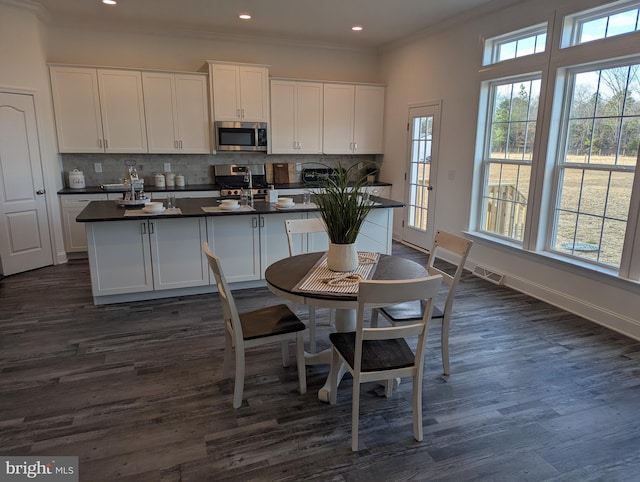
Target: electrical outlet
column 97, row 166
column 167, row 167
column 298, row 166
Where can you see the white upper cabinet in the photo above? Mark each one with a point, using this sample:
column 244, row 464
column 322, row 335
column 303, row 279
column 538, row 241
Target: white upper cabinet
column 296, row 117
column 353, row 119
column 77, row 109
column 122, row 109
column 98, row 110
column 240, row 92
column 176, row 113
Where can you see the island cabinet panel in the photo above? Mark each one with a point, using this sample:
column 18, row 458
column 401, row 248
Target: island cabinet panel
column 236, row 241
column 146, row 255
column 375, row 233
column 119, row 257
column 273, row 238
column 75, row 237
column 176, row 253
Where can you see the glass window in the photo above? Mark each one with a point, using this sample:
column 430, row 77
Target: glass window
column 507, row 156
column 604, row 22
column 597, row 164
column 516, row 44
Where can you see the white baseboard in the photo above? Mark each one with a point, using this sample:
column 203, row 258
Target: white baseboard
column 615, row 321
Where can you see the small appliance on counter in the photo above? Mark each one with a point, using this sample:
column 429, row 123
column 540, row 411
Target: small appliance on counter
column 233, row 179
column 315, row 176
column 76, row 179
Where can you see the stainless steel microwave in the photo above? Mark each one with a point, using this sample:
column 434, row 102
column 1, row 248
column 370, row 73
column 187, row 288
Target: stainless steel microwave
column 241, row 136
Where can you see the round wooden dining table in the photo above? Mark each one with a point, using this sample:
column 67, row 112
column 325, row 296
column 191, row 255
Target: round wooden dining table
column 284, row 276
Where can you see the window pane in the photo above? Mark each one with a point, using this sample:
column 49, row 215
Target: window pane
column 530, row 139
column 611, row 251
column 593, row 30
column 579, row 140
column 506, row 51
column 604, row 147
column 570, row 193
column 619, row 194
column 587, row 243
column 620, row 23
column 541, row 41
column 583, row 100
column 595, row 187
column 526, row 46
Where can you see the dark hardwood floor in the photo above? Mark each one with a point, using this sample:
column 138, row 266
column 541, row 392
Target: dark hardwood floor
column 134, row 390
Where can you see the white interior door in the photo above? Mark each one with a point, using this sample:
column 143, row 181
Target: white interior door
column 25, row 242
column 424, row 123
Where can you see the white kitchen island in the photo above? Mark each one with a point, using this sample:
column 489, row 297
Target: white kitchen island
column 138, row 257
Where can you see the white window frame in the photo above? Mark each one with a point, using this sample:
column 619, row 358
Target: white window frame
column 572, row 24
column 492, row 45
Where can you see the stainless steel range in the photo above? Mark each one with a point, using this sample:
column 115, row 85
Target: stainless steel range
column 233, row 178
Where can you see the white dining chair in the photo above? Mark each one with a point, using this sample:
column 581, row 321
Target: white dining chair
column 295, row 227
column 382, row 353
column 258, row 327
column 454, row 250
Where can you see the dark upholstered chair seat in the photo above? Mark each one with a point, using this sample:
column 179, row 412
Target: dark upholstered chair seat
column 412, row 310
column 376, row 354
column 269, row 321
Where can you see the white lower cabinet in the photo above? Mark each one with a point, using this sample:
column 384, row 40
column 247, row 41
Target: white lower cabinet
column 236, row 241
column 146, row 255
column 75, row 238
column 247, row 245
column 375, row 232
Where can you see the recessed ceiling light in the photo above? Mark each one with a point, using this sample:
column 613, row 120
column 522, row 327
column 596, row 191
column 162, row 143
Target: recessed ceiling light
column 245, row 16
column 356, row 28
column 109, row 2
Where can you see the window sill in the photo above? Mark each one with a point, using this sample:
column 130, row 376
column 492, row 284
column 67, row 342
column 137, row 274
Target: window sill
column 570, row 265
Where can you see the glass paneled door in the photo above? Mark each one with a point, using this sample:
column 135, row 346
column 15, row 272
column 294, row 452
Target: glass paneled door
column 423, row 139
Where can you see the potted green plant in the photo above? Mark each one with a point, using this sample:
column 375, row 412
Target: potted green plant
column 343, row 208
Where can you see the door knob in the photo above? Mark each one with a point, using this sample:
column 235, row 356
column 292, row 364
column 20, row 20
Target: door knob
column 40, row 192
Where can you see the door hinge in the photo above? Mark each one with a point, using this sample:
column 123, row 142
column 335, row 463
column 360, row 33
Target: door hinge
column 408, row 125
column 403, row 223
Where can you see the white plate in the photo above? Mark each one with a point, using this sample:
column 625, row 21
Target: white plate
column 230, row 208
column 154, row 211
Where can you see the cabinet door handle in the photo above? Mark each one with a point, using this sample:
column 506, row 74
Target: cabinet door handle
column 261, row 222
column 175, row 144
column 239, row 113
column 355, row 145
column 254, row 223
column 180, row 144
column 106, row 144
column 151, row 227
column 143, row 227
column 100, row 143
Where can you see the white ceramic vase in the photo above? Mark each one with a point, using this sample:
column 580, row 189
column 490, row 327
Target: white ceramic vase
column 342, row 257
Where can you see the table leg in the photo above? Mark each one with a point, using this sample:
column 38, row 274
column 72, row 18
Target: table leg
column 345, row 320
column 320, row 358
column 325, row 392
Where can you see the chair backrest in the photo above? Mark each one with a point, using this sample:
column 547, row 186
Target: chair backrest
column 302, row 226
column 380, row 293
column 229, row 310
column 453, row 249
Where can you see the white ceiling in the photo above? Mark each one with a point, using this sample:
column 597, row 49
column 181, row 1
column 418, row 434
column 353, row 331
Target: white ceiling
column 325, row 22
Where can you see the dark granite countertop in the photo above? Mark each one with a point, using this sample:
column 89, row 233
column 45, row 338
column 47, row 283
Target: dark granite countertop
column 97, row 211
column 187, row 188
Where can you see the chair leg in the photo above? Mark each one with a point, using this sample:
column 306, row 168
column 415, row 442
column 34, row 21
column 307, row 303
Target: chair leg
column 355, row 413
column 374, row 318
column 312, row 329
column 285, row 353
column 444, row 345
column 333, row 376
column 417, row 406
column 302, row 371
column 238, row 387
column 228, row 347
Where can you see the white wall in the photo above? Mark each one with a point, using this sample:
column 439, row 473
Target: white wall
column 94, row 46
column 444, row 66
column 23, row 68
